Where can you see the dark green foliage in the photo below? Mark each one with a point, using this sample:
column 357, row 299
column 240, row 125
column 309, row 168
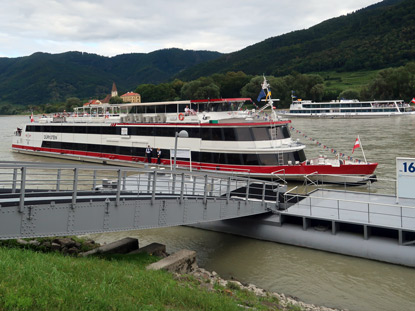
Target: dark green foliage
column 393, row 83
column 51, row 78
column 201, row 88
column 379, row 36
column 116, row 100
column 236, row 84
column 349, row 94
column 161, row 92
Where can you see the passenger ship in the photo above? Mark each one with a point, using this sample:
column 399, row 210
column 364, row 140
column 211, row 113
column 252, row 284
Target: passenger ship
column 348, row 109
column 222, row 136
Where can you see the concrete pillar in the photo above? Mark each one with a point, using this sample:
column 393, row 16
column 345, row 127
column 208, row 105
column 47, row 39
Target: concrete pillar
column 400, row 232
column 366, row 232
column 306, row 223
column 335, row 226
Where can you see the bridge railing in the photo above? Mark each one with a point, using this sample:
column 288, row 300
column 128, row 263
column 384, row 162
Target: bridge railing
column 75, row 180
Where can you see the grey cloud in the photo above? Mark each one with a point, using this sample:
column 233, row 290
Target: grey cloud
column 113, row 27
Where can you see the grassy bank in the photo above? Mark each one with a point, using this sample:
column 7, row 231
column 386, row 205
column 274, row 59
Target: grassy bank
column 32, row 280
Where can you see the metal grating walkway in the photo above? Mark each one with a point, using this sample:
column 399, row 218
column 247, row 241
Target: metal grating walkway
column 43, row 199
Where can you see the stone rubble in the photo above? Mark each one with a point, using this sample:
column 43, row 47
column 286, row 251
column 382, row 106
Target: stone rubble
column 285, row 302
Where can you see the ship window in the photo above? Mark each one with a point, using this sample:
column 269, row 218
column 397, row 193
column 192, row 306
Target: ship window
column 67, row 146
column 193, row 132
column 125, row 150
column 150, row 109
column 81, row 147
column 171, row 108
column 250, row 159
column 142, row 131
column 161, row 131
column 132, row 131
column 46, row 144
column 108, row 149
column 219, row 158
column 234, row 158
column 205, row 157
column 160, row 108
column 205, row 133
column 108, row 130
column 56, row 145
column 216, row 134
column 66, row 129
column 282, row 132
column 93, row 129
column 260, row 133
column 92, row 148
column 299, row 156
column 268, row 159
column 243, row 134
column 80, row 129
column 229, row 134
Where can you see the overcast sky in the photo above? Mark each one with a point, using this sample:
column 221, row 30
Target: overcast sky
column 111, row 27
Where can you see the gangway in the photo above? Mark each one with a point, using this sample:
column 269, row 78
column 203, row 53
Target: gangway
column 56, row 199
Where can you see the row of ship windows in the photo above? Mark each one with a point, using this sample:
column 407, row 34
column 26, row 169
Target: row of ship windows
column 203, row 157
column 336, row 105
column 205, row 133
column 344, row 110
column 355, row 105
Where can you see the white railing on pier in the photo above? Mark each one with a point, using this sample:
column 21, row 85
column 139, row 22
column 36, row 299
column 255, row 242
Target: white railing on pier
column 26, row 177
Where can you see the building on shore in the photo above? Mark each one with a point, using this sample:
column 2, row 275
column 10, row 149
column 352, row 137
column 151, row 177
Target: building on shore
column 131, row 97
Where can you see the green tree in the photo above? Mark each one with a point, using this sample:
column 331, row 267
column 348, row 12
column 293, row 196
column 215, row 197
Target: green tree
column 349, row 94
column 161, row 92
column 392, row 83
column 231, row 83
column 72, row 102
column 202, row 88
column 116, row 100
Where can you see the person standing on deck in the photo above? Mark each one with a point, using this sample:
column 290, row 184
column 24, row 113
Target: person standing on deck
column 158, row 156
column 149, row 151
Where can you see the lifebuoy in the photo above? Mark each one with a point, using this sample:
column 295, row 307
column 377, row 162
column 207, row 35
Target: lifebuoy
column 181, row 116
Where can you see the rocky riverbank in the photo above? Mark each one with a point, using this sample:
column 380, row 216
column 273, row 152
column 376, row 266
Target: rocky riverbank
column 209, row 279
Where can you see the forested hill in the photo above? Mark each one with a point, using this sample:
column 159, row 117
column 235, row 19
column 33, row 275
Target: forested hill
column 379, row 36
column 44, row 78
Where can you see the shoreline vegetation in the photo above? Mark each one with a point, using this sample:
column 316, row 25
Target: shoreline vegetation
column 386, row 84
column 73, row 273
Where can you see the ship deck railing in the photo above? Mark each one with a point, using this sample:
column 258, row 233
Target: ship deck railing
column 362, row 205
column 352, row 207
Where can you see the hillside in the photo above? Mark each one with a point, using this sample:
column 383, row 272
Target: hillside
column 42, row 78
column 379, row 36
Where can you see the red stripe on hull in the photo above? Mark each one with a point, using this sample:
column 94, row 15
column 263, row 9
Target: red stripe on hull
column 348, row 169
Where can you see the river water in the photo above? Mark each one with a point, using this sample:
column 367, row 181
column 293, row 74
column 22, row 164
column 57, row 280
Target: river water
column 313, row 276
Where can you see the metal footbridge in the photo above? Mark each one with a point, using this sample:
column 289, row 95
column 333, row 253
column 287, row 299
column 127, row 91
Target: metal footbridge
column 56, row 199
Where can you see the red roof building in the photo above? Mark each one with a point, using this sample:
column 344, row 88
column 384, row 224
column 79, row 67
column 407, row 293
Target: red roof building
column 131, row 97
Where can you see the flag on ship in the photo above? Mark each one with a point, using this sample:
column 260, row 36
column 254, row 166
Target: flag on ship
column 31, row 118
column 268, row 95
column 261, row 95
column 413, row 100
column 356, row 144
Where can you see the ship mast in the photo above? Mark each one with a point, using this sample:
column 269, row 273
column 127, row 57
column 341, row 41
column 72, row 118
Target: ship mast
column 269, row 102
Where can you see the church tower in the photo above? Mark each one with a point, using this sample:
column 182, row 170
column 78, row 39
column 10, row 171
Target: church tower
column 114, row 91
